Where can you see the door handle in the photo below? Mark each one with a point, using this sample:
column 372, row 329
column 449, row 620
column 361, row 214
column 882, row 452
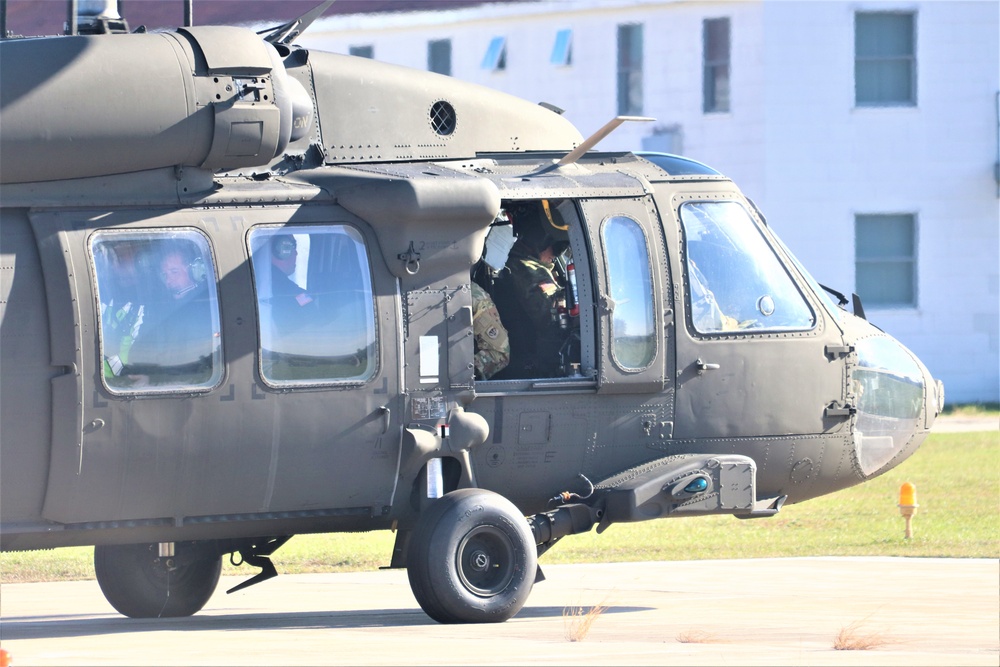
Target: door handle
column 386, row 417
column 703, row 366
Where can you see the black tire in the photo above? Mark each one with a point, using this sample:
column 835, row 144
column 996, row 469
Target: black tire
column 140, row 584
column 472, row 558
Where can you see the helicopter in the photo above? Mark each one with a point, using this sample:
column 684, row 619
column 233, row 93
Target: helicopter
column 239, row 303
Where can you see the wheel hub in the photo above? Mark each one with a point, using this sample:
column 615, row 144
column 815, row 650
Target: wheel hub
column 485, row 561
column 480, row 561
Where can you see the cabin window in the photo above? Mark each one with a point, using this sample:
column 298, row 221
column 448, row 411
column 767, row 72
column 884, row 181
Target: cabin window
column 159, row 311
column 735, row 280
column 715, row 65
column 630, row 286
column 315, row 305
column 885, row 59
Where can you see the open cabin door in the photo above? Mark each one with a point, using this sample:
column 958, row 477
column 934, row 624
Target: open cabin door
column 618, row 412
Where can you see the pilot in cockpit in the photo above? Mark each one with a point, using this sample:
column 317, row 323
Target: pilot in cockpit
column 531, row 297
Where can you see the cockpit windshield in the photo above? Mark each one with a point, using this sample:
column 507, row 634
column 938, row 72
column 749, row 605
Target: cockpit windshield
column 736, row 280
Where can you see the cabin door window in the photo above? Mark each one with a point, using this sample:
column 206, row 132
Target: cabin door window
column 630, row 286
column 315, row 305
column 159, row 311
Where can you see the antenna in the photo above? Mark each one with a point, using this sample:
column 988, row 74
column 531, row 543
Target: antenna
column 284, row 34
column 593, row 139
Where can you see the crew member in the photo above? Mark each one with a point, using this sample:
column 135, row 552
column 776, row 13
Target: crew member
column 492, row 345
column 531, row 298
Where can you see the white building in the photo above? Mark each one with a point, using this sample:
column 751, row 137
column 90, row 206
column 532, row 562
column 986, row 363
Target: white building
column 868, row 132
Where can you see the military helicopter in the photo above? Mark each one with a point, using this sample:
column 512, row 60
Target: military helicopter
column 237, row 305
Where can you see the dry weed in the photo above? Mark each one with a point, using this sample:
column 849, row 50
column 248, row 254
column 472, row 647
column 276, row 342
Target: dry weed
column 578, row 620
column 699, row 637
column 851, row 638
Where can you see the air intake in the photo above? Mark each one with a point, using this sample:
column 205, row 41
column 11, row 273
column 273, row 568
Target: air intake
column 443, row 118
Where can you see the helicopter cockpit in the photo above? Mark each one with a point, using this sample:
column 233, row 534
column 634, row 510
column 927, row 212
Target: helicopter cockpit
column 528, row 270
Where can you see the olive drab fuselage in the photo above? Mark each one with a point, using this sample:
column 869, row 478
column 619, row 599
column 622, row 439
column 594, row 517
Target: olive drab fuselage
column 331, row 215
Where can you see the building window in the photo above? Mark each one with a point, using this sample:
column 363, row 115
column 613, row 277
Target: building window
column 366, row 51
column 159, row 311
column 715, row 86
column 885, row 59
column 885, row 251
column 665, row 139
column 496, row 55
column 562, row 50
column 630, row 69
column 439, row 56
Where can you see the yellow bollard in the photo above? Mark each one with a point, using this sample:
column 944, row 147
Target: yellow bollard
column 908, row 505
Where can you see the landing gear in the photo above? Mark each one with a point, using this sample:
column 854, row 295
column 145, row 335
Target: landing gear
column 141, row 584
column 472, row 558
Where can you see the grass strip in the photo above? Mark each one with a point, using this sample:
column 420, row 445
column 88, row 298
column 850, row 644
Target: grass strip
column 957, row 476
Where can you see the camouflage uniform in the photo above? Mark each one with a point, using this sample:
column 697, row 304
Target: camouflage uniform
column 534, row 294
column 492, row 346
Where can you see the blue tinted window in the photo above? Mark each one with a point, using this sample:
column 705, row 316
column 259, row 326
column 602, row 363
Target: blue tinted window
column 562, row 50
column 496, row 54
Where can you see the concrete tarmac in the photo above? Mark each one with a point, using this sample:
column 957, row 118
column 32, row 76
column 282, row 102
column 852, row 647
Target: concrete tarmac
column 785, row 611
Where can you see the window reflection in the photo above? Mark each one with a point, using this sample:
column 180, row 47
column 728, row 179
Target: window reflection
column 735, row 279
column 315, row 304
column 630, row 284
column 889, row 387
column 159, row 311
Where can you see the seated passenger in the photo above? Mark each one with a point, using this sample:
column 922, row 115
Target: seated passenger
column 122, row 310
column 291, row 305
column 178, row 341
column 491, row 343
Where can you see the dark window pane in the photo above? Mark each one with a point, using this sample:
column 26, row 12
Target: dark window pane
column 439, row 56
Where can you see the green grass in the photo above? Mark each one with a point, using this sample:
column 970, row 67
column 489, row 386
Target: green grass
column 972, row 409
column 957, row 476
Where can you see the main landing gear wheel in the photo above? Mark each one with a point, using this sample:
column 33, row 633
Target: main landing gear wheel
column 140, row 584
column 472, row 558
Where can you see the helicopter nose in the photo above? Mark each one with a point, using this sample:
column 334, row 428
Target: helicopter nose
column 894, row 414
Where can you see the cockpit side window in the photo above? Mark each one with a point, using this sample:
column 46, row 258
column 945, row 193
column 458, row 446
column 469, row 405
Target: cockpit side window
column 159, row 311
column 315, row 305
column 630, row 283
column 735, row 280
